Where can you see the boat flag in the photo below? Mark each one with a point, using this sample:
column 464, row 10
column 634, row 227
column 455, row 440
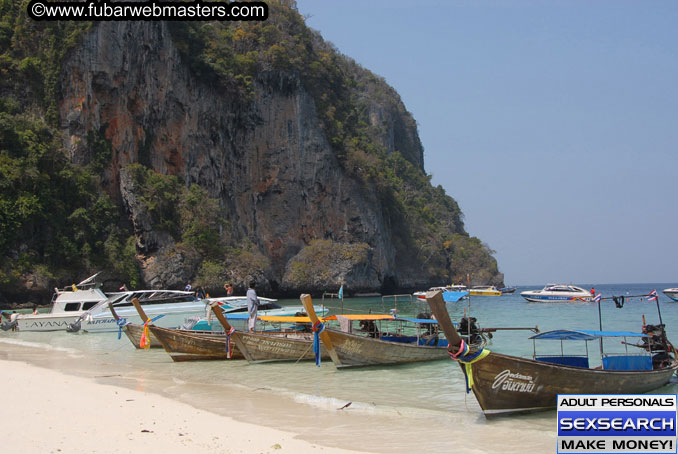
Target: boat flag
column 652, row 296
column 597, row 298
column 341, row 292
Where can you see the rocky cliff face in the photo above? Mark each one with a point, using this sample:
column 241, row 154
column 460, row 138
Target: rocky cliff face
column 267, row 160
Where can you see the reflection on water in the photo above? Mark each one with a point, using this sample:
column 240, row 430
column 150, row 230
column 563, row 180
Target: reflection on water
column 397, row 409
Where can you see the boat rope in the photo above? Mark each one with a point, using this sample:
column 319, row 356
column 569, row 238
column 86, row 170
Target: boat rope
column 318, row 327
column 229, row 351
column 464, row 357
column 145, row 336
column 121, row 322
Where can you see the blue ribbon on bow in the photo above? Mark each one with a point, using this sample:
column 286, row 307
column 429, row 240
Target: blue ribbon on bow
column 121, row 322
column 317, row 329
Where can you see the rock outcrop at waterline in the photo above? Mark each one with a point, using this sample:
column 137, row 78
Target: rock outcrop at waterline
column 316, row 172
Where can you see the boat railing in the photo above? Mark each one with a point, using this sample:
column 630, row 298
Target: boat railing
column 407, row 297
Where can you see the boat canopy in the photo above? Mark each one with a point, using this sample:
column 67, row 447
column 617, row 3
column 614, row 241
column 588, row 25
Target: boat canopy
column 362, row 317
column 585, row 335
column 428, row 321
column 305, row 319
column 453, row 297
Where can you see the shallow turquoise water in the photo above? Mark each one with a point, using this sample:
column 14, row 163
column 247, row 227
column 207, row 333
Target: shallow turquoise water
column 395, row 409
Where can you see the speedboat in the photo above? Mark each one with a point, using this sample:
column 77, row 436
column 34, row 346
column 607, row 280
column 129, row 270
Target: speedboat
column 451, row 293
column 508, row 290
column 485, row 290
column 167, row 308
column 671, row 293
column 68, row 304
column 557, row 292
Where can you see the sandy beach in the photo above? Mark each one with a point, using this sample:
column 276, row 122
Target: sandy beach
column 45, row 411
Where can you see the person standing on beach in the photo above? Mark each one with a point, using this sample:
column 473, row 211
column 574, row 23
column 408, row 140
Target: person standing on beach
column 252, row 307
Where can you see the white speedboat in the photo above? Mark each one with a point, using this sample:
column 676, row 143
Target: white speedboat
column 671, row 293
column 68, row 304
column 451, row 293
column 557, row 292
column 167, row 309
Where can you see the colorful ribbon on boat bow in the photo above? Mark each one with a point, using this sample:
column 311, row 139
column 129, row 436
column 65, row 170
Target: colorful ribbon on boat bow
column 318, row 327
column 145, row 336
column 121, row 322
column 462, row 355
column 229, row 351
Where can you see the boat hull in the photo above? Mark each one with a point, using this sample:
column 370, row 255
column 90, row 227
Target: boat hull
column 506, row 384
column 356, row 351
column 279, row 346
column 45, row 322
column 555, row 298
column 169, row 316
column 485, row 292
column 185, row 345
column 671, row 293
column 134, row 333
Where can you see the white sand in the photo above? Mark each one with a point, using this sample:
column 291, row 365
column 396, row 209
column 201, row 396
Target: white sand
column 43, row 411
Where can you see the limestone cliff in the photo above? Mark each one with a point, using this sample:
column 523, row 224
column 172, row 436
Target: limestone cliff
column 273, row 154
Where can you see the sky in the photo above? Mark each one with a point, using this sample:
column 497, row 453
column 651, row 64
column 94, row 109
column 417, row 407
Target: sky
column 552, row 123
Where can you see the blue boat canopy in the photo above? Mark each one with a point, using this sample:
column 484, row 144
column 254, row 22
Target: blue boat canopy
column 585, row 335
column 453, row 297
column 427, row 321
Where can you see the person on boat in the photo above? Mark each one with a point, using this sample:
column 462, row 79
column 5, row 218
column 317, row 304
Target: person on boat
column 593, row 291
column 229, row 289
column 35, row 309
column 252, row 307
column 13, row 318
column 188, row 287
column 200, row 293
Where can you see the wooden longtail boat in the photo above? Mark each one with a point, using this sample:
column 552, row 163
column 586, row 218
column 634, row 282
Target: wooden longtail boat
column 182, row 345
column 351, row 350
column 505, row 384
column 271, row 345
column 187, row 345
column 134, row 331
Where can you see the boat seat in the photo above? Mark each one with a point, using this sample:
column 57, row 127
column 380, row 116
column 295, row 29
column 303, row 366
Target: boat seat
column 574, row 361
column 627, row 362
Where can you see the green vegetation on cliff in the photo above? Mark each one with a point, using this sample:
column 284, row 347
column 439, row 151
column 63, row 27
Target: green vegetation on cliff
column 423, row 217
column 56, row 219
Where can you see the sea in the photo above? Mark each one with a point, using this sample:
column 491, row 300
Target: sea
column 410, row 408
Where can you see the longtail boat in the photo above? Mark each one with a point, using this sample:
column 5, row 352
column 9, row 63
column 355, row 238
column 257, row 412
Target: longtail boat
column 351, row 350
column 505, row 384
column 188, row 345
column 134, row 331
column 268, row 346
column 176, row 342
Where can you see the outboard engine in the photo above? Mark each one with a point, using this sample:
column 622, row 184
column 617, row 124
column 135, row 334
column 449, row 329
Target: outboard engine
column 75, row 326
column 469, row 329
column 657, row 344
column 370, row 327
column 9, row 325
